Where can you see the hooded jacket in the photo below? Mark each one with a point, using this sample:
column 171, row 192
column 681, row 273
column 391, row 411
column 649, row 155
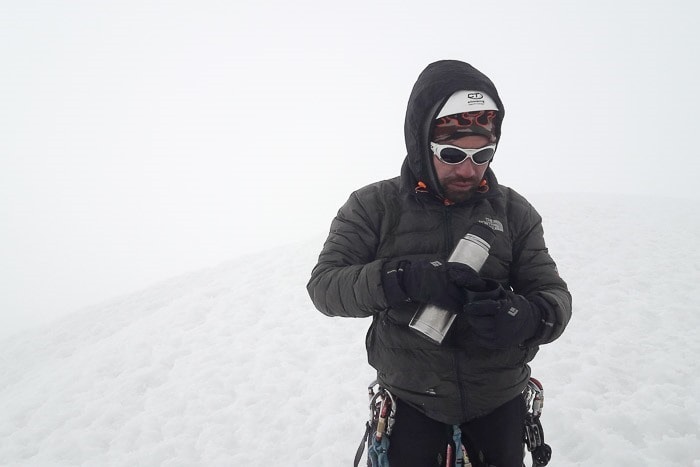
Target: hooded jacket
column 407, row 216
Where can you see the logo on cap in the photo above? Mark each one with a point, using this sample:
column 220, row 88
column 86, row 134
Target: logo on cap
column 468, row 100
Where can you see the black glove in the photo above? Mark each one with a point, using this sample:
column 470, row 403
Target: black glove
column 421, row 279
column 509, row 321
column 464, row 276
column 475, row 287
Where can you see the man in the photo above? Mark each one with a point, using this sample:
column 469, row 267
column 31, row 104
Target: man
column 385, row 257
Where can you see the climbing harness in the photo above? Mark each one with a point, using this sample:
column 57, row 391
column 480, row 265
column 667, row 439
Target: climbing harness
column 382, row 414
column 534, row 435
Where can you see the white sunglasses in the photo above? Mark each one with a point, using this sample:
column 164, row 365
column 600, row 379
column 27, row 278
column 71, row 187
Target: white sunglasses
column 454, row 155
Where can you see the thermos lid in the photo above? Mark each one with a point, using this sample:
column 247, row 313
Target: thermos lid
column 482, row 231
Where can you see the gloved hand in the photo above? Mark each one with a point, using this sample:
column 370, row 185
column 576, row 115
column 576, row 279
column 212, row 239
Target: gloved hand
column 509, row 321
column 474, row 286
column 421, row 279
column 464, row 276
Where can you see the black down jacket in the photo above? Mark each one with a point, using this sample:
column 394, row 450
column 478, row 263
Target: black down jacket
column 457, row 380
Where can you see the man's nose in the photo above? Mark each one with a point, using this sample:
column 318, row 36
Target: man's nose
column 466, row 169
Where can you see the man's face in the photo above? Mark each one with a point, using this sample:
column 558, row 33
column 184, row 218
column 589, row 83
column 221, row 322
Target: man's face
column 460, row 181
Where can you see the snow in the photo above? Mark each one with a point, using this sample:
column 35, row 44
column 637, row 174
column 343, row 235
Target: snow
column 233, row 366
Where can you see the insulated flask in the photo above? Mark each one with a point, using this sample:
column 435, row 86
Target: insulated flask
column 472, row 250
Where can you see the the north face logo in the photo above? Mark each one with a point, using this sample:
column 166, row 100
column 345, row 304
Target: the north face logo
column 494, row 224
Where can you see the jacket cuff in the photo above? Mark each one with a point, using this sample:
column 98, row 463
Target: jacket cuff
column 391, row 283
column 545, row 328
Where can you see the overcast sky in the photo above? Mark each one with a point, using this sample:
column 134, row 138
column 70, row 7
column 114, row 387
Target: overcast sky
column 143, row 139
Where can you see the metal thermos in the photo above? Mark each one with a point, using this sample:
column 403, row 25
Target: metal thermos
column 472, row 250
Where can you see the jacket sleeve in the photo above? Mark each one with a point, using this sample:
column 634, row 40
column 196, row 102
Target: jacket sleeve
column 535, row 276
column 346, row 281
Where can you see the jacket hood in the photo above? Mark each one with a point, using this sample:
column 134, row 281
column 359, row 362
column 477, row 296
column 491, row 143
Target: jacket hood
column 434, row 86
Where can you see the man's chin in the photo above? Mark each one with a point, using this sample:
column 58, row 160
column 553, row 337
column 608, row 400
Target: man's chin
column 458, row 196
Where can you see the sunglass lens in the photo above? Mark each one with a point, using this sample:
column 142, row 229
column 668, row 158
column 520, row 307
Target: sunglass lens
column 452, row 155
column 483, row 156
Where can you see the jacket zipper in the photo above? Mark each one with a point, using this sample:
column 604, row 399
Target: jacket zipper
column 448, row 231
column 455, row 353
column 460, row 387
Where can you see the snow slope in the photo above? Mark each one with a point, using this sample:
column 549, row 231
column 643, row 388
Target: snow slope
column 233, row 366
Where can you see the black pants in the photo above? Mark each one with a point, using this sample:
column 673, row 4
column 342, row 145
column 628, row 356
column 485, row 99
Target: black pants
column 495, row 439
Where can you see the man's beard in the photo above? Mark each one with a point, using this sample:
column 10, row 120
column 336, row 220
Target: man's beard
column 459, row 195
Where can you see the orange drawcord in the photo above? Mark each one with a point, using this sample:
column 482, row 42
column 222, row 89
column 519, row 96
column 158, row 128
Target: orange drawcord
column 421, row 187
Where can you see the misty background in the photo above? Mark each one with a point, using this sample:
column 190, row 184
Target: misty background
column 145, row 139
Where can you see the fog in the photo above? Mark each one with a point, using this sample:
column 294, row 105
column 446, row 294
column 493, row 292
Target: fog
column 142, row 139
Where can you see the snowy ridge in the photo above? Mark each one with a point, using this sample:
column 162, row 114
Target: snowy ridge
column 234, row 366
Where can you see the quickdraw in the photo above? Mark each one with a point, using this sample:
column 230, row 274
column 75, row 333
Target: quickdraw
column 382, row 415
column 534, row 434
